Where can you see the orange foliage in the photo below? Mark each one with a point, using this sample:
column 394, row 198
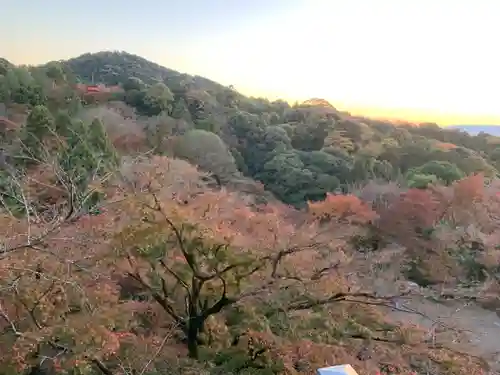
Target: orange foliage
column 60, row 294
column 446, row 146
column 469, row 190
column 225, row 218
column 164, row 236
column 468, row 202
column 348, row 208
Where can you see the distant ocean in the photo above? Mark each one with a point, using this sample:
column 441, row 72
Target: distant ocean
column 476, row 129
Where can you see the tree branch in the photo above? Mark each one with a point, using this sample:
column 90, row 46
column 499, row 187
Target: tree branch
column 341, row 296
column 220, row 304
column 4, row 315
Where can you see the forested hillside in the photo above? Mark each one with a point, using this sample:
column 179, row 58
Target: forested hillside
column 165, row 224
column 298, row 152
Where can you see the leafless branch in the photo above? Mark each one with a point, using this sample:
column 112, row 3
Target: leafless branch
column 4, row 315
column 148, row 363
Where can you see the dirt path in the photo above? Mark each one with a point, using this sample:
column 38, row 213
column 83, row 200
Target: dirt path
column 470, row 328
column 474, row 329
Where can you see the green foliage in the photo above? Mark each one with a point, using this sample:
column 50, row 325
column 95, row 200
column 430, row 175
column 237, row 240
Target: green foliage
column 295, row 181
column 112, row 68
column 495, row 154
column 39, row 124
column 100, row 142
column 86, row 154
column 421, row 181
column 179, row 109
column 133, row 83
column 157, row 99
column 32, row 95
column 286, row 177
column 10, row 193
column 55, row 71
column 62, row 123
column 310, row 136
column 209, row 152
column 75, row 106
column 440, row 170
column 415, row 271
column 5, row 66
column 150, row 101
column 466, row 257
column 371, row 241
column 135, row 98
column 4, row 89
column 18, row 85
column 208, row 125
column 298, row 152
column 253, row 361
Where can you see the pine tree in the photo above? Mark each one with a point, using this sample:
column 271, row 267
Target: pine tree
column 100, row 143
column 39, row 123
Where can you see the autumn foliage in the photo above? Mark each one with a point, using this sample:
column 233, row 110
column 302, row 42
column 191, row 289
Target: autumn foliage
column 446, row 146
column 343, row 208
column 171, row 271
column 118, row 260
column 415, row 210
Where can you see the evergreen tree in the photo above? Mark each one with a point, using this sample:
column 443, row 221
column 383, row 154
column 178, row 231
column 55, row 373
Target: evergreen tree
column 39, row 123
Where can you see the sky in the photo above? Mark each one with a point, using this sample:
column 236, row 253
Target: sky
column 420, row 60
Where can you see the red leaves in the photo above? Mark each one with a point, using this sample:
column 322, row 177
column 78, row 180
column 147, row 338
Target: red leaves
column 469, row 189
column 112, row 342
column 419, row 207
column 414, row 209
column 342, row 208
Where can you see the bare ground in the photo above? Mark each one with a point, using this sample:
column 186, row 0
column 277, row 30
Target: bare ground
column 473, row 329
column 470, row 326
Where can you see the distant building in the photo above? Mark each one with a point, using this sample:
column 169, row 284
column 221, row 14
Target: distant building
column 97, row 89
column 93, row 88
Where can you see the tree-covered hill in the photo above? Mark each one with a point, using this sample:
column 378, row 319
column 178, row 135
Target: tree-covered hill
column 314, row 147
column 299, row 152
column 112, row 68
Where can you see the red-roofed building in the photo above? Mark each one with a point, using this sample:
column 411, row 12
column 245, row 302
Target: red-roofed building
column 93, row 88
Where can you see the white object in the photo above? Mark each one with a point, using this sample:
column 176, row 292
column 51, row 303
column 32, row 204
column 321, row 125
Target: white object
column 337, row 370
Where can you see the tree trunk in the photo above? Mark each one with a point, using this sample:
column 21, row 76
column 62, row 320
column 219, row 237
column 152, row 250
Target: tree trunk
column 192, row 347
column 194, row 327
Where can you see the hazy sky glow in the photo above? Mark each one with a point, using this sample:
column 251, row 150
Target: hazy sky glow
column 428, row 60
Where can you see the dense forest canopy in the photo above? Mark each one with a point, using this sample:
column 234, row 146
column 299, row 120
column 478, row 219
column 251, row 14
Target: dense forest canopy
column 169, row 224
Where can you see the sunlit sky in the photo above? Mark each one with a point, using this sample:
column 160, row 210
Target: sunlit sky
column 421, row 60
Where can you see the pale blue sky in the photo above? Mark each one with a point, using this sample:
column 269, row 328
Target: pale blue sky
column 414, row 58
